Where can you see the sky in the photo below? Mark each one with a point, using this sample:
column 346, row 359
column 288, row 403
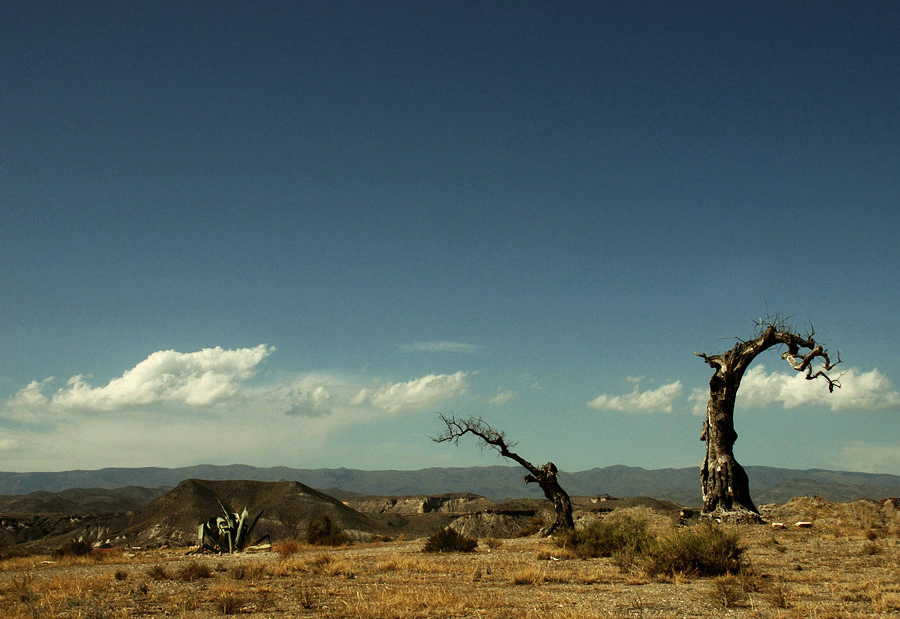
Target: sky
column 293, row 233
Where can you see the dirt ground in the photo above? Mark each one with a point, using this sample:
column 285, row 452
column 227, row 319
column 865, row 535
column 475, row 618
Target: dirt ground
column 845, row 566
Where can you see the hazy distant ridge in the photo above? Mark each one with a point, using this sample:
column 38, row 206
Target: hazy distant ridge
column 768, row 484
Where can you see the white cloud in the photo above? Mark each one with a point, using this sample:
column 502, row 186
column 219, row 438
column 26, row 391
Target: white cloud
column 199, row 379
column 699, row 397
column 456, row 347
column 502, row 397
column 659, row 400
column 415, row 395
column 859, row 392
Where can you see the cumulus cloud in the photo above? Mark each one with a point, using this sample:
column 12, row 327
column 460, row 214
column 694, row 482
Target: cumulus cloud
column 455, row 347
column 203, row 378
column 502, row 397
column 659, row 400
column 414, row 395
column 860, row 391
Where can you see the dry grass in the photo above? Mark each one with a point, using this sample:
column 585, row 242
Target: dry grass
column 825, row 572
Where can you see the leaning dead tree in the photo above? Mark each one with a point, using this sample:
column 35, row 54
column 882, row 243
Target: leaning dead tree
column 726, row 490
column 546, row 477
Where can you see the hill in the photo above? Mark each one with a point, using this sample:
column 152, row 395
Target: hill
column 767, row 484
column 286, row 507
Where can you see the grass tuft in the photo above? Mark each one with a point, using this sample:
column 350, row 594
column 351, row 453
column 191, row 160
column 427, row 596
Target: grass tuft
column 194, row 570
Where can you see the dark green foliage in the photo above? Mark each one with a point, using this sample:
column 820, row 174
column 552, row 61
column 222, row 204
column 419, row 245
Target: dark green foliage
column 623, row 539
column 704, row 550
column 326, row 532
column 449, row 540
column 75, row 548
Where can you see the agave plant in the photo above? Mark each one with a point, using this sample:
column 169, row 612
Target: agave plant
column 230, row 533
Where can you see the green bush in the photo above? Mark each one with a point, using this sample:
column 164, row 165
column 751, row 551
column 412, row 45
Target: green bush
column 449, row 540
column 326, row 532
column 704, row 550
column 622, row 539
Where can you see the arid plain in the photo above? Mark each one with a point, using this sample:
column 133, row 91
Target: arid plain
column 845, row 565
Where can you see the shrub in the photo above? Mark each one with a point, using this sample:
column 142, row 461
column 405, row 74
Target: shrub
column 449, row 540
column 75, row 548
column 532, row 527
column 326, row 532
column 704, row 550
column 14, row 553
column 157, row 572
column 194, row 570
column 286, row 548
column 623, row 539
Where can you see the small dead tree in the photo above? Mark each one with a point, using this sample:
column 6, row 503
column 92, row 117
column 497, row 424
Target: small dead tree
column 726, row 490
column 546, row 476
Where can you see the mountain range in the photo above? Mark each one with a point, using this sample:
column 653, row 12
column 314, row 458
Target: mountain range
column 767, row 484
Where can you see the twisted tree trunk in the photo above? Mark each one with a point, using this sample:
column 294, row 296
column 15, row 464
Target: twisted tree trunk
column 726, row 487
column 546, row 478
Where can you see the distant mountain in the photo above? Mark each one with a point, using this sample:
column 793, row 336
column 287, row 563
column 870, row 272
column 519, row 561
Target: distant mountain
column 80, row 500
column 767, row 484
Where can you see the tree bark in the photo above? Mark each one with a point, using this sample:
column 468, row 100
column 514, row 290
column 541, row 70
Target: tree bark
column 725, row 485
column 547, row 480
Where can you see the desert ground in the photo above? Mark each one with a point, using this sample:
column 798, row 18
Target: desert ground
column 845, row 565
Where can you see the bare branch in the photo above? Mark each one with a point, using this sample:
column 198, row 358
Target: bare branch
column 478, row 427
column 546, row 477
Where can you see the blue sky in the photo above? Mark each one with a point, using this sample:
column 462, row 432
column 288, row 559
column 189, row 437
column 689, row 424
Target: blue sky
column 292, row 233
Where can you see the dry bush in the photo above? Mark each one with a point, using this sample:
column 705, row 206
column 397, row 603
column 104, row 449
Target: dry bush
column 252, row 572
column 777, row 594
column 157, row 572
column 532, row 527
column 286, row 548
column 228, row 599
column 75, row 548
column 449, row 540
column 290, row 565
column 330, row 566
column 529, row 576
column 194, row 570
column 702, row 550
column 729, row 592
column 411, row 564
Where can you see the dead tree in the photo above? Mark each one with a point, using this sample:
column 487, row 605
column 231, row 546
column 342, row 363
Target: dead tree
column 726, row 490
column 546, row 477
